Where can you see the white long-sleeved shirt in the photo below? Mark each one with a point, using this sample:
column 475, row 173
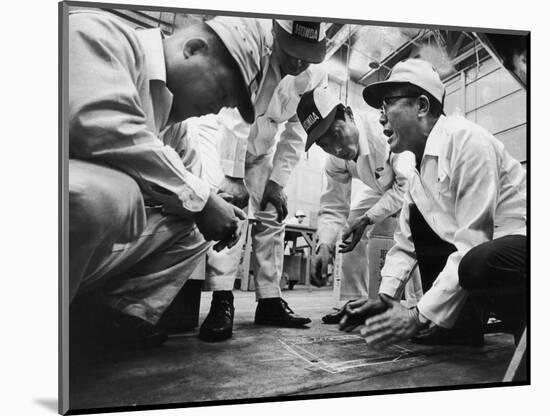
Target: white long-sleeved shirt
column 469, row 190
column 384, row 172
column 275, row 104
column 118, row 104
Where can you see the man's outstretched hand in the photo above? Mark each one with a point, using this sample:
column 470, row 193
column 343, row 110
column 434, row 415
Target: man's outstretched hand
column 352, row 233
column 397, row 323
column 234, row 190
column 274, row 194
column 319, row 265
column 219, row 221
column 359, row 310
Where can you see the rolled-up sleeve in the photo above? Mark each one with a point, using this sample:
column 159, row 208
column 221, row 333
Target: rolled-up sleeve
column 108, row 125
column 335, row 201
column 474, row 182
column 391, row 201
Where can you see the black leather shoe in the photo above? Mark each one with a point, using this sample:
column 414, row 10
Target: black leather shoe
column 452, row 336
column 110, row 329
column 276, row 312
column 336, row 317
column 218, row 325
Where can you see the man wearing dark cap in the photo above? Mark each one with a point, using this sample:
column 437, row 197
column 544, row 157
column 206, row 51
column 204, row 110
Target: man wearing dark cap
column 125, row 86
column 357, row 148
column 463, row 221
column 257, row 161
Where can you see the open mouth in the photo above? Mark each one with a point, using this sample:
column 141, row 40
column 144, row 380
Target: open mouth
column 389, row 133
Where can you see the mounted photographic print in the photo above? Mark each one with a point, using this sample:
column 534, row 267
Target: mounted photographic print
column 267, row 207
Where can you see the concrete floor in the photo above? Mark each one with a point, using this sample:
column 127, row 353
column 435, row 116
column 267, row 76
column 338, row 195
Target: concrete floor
column 262, row 362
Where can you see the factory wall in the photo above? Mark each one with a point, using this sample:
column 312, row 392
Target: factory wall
column 488, row 95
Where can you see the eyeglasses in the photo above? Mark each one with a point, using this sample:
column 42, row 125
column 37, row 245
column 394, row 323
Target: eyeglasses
column 392, row 97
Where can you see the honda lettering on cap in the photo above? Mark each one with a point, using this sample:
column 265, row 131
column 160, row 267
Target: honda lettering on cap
column 310, row 121
column 307, row 30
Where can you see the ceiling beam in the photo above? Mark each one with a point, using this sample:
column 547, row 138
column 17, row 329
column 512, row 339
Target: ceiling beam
column 339, row 38
column 395, row 53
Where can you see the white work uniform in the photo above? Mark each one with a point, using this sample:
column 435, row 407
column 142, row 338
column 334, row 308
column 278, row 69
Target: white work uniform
column 258, row 152
column 385, row 176
column 123, row 249
column 469, row 191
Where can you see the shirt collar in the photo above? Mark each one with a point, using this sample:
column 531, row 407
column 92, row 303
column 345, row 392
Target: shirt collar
column 274, row 65
column 155, row 66
column 435, row 142
column 151, row 41
column 364, row 149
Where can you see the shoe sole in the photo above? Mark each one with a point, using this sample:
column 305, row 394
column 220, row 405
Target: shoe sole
column 216, row 337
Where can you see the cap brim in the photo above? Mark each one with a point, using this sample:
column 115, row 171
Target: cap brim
column 318, row 131
column 312, row 52
column 373, row 94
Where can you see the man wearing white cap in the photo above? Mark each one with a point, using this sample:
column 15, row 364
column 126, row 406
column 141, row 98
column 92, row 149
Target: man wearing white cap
column 357, row 148
column 463, row 220
column 298, row 218
column 134, row 208
column 258, row 165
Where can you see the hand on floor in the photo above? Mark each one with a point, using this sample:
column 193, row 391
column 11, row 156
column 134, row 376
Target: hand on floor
column 397, row 323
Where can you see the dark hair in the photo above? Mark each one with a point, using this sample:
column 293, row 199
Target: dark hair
column 340, row 112
column 436, row 108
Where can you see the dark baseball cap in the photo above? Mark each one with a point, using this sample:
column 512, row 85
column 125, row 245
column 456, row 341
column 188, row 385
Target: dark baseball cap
column 302, row 39
column 316, row 112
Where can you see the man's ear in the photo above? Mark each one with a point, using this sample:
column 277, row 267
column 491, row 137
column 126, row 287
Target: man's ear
column 194, row 46
column 423, row 105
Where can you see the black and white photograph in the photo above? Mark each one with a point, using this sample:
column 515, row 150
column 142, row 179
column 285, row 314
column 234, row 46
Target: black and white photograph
column 271, row 207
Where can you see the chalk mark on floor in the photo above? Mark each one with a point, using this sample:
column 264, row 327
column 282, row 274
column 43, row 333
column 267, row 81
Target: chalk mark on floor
column 298, row 347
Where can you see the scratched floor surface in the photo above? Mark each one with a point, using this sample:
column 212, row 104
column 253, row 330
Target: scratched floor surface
column 267, row 362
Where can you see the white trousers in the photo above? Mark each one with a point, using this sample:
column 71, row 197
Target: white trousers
column 221, row 268
column 267, row 240
column 132, row 258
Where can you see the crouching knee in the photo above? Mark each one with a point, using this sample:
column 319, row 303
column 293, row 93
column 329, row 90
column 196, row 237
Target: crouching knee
column 472, row 268
column 103, row 201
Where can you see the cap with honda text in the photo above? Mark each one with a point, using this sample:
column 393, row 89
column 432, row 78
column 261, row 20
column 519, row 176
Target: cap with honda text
column 316, row 112
column 411, row 71
column 302, row 39
column 245, row 40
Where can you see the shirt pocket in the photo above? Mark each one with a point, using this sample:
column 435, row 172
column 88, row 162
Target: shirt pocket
column 285, row 100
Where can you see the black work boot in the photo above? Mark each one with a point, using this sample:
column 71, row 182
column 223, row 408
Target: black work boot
column 452, row 336
column 218, row 325
column 467, row 331
column 276, row 312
